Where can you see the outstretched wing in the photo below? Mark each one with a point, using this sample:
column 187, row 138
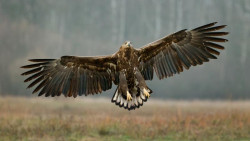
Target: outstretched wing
column 170, row 54
column 71, row 75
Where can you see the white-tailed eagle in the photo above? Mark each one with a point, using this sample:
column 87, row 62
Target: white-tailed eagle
column 128, row 68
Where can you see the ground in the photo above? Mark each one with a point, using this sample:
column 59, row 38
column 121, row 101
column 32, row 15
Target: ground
column 98, row 119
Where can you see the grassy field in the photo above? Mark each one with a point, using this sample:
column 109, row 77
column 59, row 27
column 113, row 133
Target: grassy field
column 98, row 119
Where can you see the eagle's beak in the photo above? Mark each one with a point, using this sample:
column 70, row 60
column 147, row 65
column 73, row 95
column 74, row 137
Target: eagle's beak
column 128, row 44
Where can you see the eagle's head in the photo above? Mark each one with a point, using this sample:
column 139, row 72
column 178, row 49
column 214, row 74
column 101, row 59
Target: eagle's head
column 127, row 44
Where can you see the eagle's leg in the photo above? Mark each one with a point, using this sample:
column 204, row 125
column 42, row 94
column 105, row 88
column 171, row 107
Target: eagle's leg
column 141, row 83
column 123, row 86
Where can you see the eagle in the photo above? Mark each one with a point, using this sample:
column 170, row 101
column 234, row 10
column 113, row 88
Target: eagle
column 128, row 68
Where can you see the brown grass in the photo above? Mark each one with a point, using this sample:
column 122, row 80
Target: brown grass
column 98, row 119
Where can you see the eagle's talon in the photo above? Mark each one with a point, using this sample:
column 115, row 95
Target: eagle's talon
column 129, row 97
column 145, row 92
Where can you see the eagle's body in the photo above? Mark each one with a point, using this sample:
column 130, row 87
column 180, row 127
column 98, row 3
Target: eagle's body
column 129, row 68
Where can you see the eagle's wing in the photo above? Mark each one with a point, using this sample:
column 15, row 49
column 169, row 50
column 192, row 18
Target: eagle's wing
column 72, row 75
column 170, row 54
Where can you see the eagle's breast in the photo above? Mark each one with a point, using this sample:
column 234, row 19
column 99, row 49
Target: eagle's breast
column 127, row 62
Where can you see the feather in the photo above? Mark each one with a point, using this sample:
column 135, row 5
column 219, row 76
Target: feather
column 199, row 53
column 165, row 66
column 195, row 54
column 34, row 65
column 139, row 100
column 58, row 87
column 35, row 76
column 189, row 55
column 170, row 60
column 215, row 33
column 213, row 51
column 66, row 82
column 41, row 85
column 32, row 71
column 36, row 81
column 204, row 26
column 41, row 60
column 213, row 28
column 54, row 83
column 214, row 39
column 213, row 45
column 182, row 57
column 142, row 96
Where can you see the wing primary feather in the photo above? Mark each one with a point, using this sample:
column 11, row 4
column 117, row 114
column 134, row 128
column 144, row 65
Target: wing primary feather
column 32, row 71
column 36, row 81
column 34, row 65
column 45, row 84
column 58, row 87
column 62, row 83
column 41, row 60
column 41, row 85
column 213, row 51
column 213, row 45
column 213, row 28
column 55, row 83
column 44, row 87
column 207, row 54
column 50, row 84
column 214, row 39
column 205, row 26
column 35, row 76
column 215, row 33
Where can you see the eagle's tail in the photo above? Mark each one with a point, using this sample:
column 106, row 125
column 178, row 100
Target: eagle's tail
column 139, row 95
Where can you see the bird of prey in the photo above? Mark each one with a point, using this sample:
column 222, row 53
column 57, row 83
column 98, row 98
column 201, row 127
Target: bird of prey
column 128, row 68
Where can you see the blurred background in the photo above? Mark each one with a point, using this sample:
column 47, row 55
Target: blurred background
column 53, row 28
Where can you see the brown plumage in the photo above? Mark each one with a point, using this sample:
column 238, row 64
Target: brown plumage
column 128, row 68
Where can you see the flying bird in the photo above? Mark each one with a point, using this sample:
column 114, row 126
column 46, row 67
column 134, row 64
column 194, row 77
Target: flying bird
column 129, row 68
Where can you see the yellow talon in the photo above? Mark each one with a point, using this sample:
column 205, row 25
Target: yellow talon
column 129, row 97
column 145, row 92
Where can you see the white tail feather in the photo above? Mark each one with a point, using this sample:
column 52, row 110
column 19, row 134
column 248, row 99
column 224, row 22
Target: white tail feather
column 137, row 99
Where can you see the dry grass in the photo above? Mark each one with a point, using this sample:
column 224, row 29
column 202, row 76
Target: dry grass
column 98, row 119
